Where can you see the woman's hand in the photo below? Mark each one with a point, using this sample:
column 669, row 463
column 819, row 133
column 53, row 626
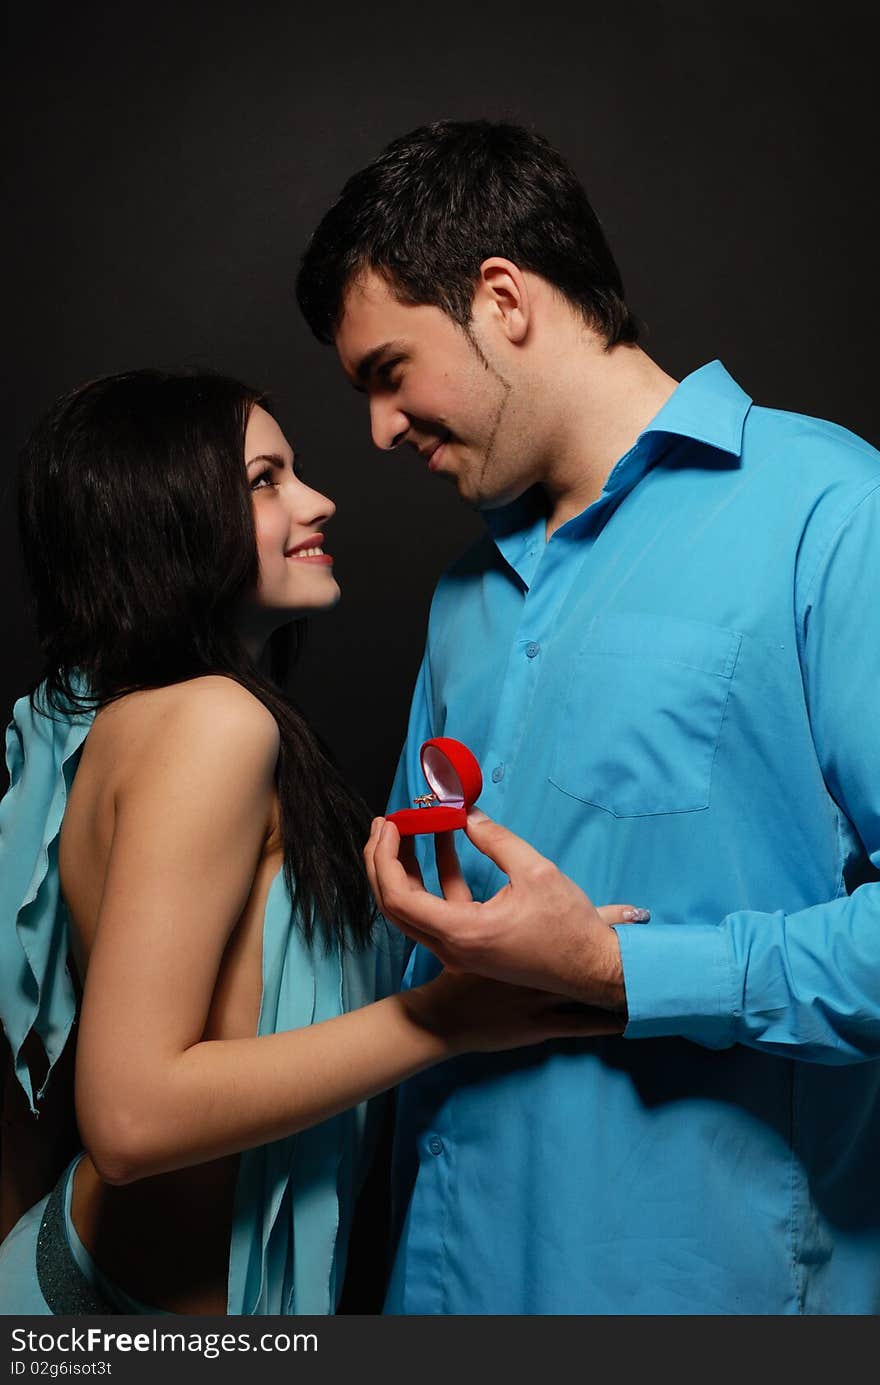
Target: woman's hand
column 475, row 1015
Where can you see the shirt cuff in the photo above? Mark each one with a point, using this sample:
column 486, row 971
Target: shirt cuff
column 678, row 982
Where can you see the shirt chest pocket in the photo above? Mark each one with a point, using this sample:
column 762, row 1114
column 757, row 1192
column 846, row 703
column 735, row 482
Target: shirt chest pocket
column 643, row 712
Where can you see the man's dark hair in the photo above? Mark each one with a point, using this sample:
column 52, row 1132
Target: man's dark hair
column 439, row 201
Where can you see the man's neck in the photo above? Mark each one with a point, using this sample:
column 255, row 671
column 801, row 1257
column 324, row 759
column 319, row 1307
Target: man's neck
column 604, row 400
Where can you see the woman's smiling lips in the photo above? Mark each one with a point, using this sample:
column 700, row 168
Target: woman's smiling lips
column 310, row 551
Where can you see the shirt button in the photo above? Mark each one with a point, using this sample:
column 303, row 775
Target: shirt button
column 435, row 1145
column 532, row 649
column 497, row 774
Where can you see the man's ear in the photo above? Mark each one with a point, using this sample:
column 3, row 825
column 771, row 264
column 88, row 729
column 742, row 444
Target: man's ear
column 502, row 296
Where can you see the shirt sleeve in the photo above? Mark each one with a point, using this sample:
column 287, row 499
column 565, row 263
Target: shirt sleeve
column 807, row 984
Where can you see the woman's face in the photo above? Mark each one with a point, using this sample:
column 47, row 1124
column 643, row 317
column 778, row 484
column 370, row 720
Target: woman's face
column 296, row 575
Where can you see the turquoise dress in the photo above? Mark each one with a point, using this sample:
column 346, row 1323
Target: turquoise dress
column 294, row 1197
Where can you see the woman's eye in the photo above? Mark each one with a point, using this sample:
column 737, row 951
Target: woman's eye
column 263, row 481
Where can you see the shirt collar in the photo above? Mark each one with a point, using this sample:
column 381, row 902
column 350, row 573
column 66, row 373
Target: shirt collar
column 707, row 407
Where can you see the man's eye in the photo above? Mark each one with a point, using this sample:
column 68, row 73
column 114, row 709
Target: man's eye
column 387, row 376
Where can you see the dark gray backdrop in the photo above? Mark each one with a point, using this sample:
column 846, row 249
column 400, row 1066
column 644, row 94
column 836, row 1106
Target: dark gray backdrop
column 168, row 162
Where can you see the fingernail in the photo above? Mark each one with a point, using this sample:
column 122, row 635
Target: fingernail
column 636, row 915
column 382, row 825
column 476, row 815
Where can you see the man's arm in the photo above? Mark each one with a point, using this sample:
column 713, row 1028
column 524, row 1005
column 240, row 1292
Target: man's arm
column 804, row 985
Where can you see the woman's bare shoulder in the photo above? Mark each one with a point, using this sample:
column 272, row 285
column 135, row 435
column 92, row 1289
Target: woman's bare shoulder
column 205, row 715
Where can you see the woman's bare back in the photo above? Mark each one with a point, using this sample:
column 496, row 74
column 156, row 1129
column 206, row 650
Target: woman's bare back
column 164, row 1239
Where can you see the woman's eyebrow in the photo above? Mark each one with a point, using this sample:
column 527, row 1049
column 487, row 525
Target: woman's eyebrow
column 274, row 457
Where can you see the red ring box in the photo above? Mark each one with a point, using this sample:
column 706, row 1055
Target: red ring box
column 456, row 783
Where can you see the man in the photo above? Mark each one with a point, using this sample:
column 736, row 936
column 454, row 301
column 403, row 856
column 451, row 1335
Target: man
column 663, row 654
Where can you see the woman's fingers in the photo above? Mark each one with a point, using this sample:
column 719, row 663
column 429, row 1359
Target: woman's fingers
column 623, row 913
column 452, row 882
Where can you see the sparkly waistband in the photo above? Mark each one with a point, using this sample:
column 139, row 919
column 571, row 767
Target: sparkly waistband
column 62, row 1283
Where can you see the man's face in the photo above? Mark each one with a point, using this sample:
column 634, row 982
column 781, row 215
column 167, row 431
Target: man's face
column 431, row 386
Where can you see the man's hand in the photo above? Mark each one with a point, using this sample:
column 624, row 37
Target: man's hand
column 539, row 930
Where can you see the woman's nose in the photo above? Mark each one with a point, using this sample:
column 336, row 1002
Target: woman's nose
column 321, row 507
column 309, row 508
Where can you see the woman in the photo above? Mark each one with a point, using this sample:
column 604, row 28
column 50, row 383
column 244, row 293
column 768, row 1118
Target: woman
column 173, row 822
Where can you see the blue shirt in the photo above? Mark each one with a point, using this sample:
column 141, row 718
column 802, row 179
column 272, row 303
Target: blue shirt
column 676, row 700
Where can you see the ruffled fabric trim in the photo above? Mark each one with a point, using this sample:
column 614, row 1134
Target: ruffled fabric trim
column 36, row 991
column 294, row 1197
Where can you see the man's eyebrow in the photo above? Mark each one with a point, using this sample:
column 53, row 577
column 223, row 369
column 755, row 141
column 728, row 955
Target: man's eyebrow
column 365, row 365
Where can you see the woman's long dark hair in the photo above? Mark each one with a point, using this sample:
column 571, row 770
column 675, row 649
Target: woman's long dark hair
column 138, row 538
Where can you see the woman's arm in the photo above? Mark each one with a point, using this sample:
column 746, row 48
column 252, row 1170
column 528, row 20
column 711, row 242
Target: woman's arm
column 152, row 1095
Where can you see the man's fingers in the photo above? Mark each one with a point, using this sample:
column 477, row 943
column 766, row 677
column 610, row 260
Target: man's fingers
column 623, row 913
column 407, row 904
column 404, row 852
column 452, row 882
column 411, row 868
column 510, row 852
column 369, row 858
column 426, row 941
column 409, row 861
column 391, row 872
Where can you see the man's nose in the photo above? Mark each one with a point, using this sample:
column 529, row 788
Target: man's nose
column 387, row 424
